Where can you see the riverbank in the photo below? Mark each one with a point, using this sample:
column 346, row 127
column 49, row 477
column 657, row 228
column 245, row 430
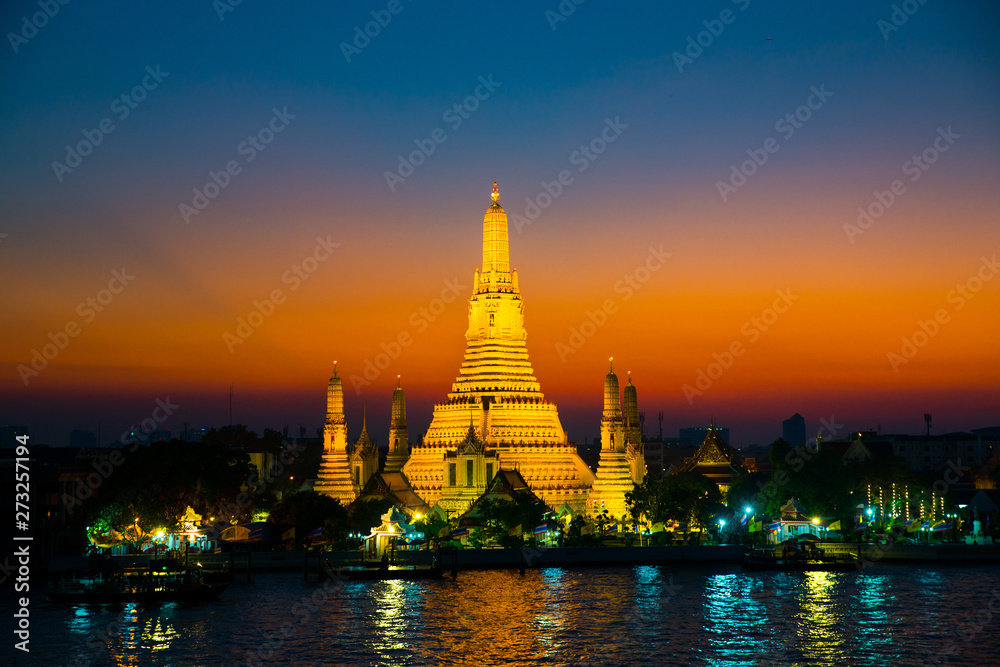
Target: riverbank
column 534, row 557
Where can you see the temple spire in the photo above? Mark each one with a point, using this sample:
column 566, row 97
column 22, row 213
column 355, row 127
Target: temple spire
column 496, row 258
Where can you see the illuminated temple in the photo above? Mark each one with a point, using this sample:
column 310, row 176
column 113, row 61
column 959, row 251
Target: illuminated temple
column 495, row 418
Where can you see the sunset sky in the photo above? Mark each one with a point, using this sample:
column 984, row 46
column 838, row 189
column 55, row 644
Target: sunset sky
column 673, row 129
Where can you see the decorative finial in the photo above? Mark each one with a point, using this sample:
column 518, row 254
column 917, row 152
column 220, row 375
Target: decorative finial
column 399, row 381
column 335, row 368
column 630, row 377
column 611, row 360
column 496, row 192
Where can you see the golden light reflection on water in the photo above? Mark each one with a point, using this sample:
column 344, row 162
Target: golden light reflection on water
column 489, row 618
column 655, row 615
column 824, row 636
column 389, row 615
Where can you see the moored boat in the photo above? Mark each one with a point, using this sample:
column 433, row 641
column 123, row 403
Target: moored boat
column 797, row 558
column 165, row 580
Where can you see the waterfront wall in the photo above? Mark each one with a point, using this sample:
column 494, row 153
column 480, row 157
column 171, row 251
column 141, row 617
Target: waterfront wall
column 265, row 561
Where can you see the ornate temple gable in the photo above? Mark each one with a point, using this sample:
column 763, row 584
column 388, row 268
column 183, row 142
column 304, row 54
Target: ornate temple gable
column 505, row 486
column 712, row 451
column 395, row 487
column 375, row 487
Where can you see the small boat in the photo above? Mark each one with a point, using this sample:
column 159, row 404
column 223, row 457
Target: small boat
column 165, row 580
column 382, row 572
column 797, row 557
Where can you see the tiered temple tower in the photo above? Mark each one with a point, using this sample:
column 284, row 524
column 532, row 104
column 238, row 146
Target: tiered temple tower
column 399, row 444
column 497, row 390
column 335, row 471
column 614, row 472
column 363, row 459
column 634, row 450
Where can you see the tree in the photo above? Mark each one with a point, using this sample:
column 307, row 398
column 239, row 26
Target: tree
column 814, row 475
column 500, row 517
column 644, row 500
column 691, row 498
column 575, row 536
column 156, row 484
column 363, row 515
column 308, row 510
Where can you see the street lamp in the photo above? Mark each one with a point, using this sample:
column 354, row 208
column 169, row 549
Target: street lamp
column 747, row 510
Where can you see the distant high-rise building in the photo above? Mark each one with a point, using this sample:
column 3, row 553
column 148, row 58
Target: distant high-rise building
column 793, row 430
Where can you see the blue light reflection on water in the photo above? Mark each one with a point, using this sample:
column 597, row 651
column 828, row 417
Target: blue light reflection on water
column 645, row 615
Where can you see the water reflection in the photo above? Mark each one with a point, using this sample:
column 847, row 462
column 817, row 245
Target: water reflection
column 550, row 619
column 822, row 622
column 658, row 615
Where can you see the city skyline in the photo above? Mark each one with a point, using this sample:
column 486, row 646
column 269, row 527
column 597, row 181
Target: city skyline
column 631, row 156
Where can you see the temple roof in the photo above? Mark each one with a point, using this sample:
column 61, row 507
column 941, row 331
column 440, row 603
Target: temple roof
column 713, row 451
column 394, row 486
column 504, row 486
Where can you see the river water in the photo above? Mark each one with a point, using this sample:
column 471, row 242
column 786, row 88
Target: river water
column 663, row 615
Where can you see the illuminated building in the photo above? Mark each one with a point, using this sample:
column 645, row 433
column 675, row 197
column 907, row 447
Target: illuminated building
column 494, row 419
column 622, row 463
column 335, row 467
column 715, row 460
column 497, row 392
column 399, row 443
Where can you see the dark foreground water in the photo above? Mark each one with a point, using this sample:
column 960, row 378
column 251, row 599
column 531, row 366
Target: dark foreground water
column 887, row 615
